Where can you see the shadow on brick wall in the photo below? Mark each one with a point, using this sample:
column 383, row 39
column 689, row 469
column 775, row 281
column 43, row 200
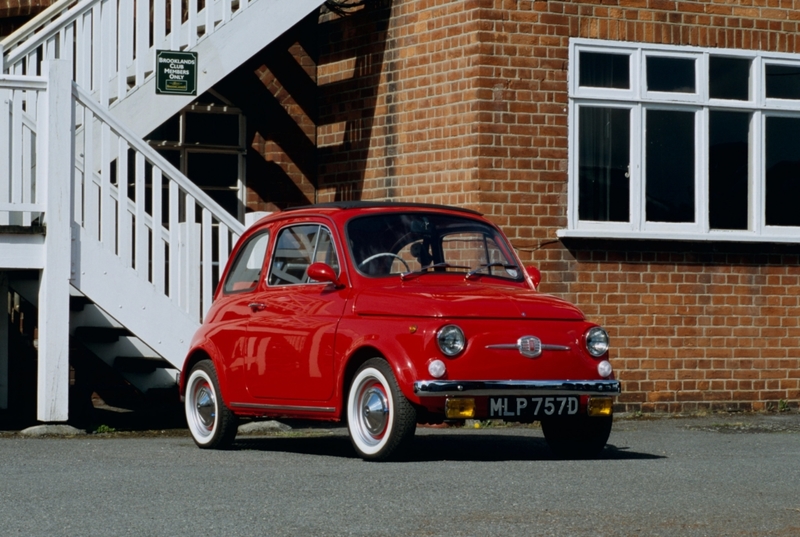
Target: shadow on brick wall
column 355, row 59
column 290, row 112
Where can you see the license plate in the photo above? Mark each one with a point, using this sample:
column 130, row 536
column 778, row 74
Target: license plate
column 532, row 407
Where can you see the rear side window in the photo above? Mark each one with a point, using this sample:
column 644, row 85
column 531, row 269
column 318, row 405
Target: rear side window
column 246, row 270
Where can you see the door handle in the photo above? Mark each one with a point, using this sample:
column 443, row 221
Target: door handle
column 257, row 306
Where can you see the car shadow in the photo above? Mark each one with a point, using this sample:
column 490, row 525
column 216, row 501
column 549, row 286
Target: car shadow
column 436, row 447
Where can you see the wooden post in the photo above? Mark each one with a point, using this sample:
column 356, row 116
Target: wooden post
column 55, row 175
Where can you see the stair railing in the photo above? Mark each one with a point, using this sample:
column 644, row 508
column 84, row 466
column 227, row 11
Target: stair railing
column 111, row 43
column 146, row 212
column 21, row 99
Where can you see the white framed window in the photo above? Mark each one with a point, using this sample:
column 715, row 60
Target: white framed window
column 683, row 143
column 206, row 142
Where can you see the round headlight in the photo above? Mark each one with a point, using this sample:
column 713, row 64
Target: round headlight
column 451, row 340
column 597, row 341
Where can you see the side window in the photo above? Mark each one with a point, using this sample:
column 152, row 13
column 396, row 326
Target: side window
column 246, row 270
column 326, row 251
column 297, row 248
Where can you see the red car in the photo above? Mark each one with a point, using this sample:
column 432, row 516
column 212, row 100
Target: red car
column 385, row 315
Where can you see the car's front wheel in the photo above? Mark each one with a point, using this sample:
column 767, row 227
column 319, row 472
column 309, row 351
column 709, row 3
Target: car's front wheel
column 380, row 420
column 580, row 437
column 211, row 423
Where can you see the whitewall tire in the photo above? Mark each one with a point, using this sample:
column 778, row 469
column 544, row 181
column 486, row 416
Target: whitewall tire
column 211, row 423
column 380, row 420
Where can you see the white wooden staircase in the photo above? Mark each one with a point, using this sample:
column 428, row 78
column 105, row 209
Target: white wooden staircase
column 124, row 249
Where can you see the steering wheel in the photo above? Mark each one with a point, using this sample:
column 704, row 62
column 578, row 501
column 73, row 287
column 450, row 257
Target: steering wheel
column 385, row 254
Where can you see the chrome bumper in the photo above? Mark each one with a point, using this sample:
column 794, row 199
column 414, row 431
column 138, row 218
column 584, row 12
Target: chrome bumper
column 439, row 388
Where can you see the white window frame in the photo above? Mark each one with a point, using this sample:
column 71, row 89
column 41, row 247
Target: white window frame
column 638, row 99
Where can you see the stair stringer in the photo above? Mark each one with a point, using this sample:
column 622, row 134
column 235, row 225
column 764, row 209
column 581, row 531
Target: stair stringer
column 218, row 55
column 107, row 43
column 132, row 302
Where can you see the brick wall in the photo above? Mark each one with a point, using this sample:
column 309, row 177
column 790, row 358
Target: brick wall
column 277, row 92
column 14, row 13
column 397, row 115
column 692, row 326
column 464, row 102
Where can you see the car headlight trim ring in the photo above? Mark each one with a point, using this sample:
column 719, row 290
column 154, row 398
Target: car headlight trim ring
column 451, row 340
column 597, row 341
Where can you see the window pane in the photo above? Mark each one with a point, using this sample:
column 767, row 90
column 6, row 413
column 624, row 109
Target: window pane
column 600, row 70
column 604, row 156
column 169, row 131
column 218, row 175
column 783, row 171
column 729, row 78
column 669, row 172
column 212, row 129
column 470, row 249
column 728, row 169
column 326, row 251
column 670, row 74
column 246, row 271
column 783, row 82
column 391, row 243
column 293, row 254
column 172, row 156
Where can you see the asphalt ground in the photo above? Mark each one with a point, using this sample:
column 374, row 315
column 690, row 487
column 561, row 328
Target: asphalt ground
column 715, row 475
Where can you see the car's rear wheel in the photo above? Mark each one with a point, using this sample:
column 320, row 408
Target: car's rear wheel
column 211, row 423
column 580, row 437
column 380, row 420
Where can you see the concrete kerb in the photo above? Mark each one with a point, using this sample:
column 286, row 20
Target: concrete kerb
column 52, row 430
column 260, row 427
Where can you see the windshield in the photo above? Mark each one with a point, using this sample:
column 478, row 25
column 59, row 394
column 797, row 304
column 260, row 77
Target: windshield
column 402, row 243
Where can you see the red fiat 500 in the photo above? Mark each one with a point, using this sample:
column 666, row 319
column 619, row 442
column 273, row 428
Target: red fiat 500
column 386, row 315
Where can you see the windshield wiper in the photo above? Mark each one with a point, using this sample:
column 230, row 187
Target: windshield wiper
column 508, row 266
column 424, row 270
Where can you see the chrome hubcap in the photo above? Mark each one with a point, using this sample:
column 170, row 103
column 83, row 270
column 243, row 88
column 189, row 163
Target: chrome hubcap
column 204, row 403
column 375, row 411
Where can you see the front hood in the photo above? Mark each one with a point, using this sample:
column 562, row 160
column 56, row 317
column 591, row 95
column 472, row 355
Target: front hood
column 464, row 299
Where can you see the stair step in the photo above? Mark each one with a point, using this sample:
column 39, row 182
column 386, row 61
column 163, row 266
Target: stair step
column 163, row 396
column 101, row 334
column 139, row 364
column 77, row 302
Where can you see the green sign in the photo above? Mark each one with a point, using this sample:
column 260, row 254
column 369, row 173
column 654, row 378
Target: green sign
column 176, row 73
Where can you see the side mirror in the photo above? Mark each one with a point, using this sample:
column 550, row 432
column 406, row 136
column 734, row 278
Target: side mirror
column 534, row 275
column 321, row 272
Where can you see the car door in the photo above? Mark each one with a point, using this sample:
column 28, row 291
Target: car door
column 231, row 312
column 291, row 332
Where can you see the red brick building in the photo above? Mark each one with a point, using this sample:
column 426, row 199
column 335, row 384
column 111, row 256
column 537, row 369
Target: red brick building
column 479, row 104
column 642, row 153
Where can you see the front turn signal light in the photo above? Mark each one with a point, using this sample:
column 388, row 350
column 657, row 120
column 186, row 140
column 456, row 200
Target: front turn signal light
column 600, row 406
column 437, row 369
column 462, row 408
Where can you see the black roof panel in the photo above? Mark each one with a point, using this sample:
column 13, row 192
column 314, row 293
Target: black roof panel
column 370, row 204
